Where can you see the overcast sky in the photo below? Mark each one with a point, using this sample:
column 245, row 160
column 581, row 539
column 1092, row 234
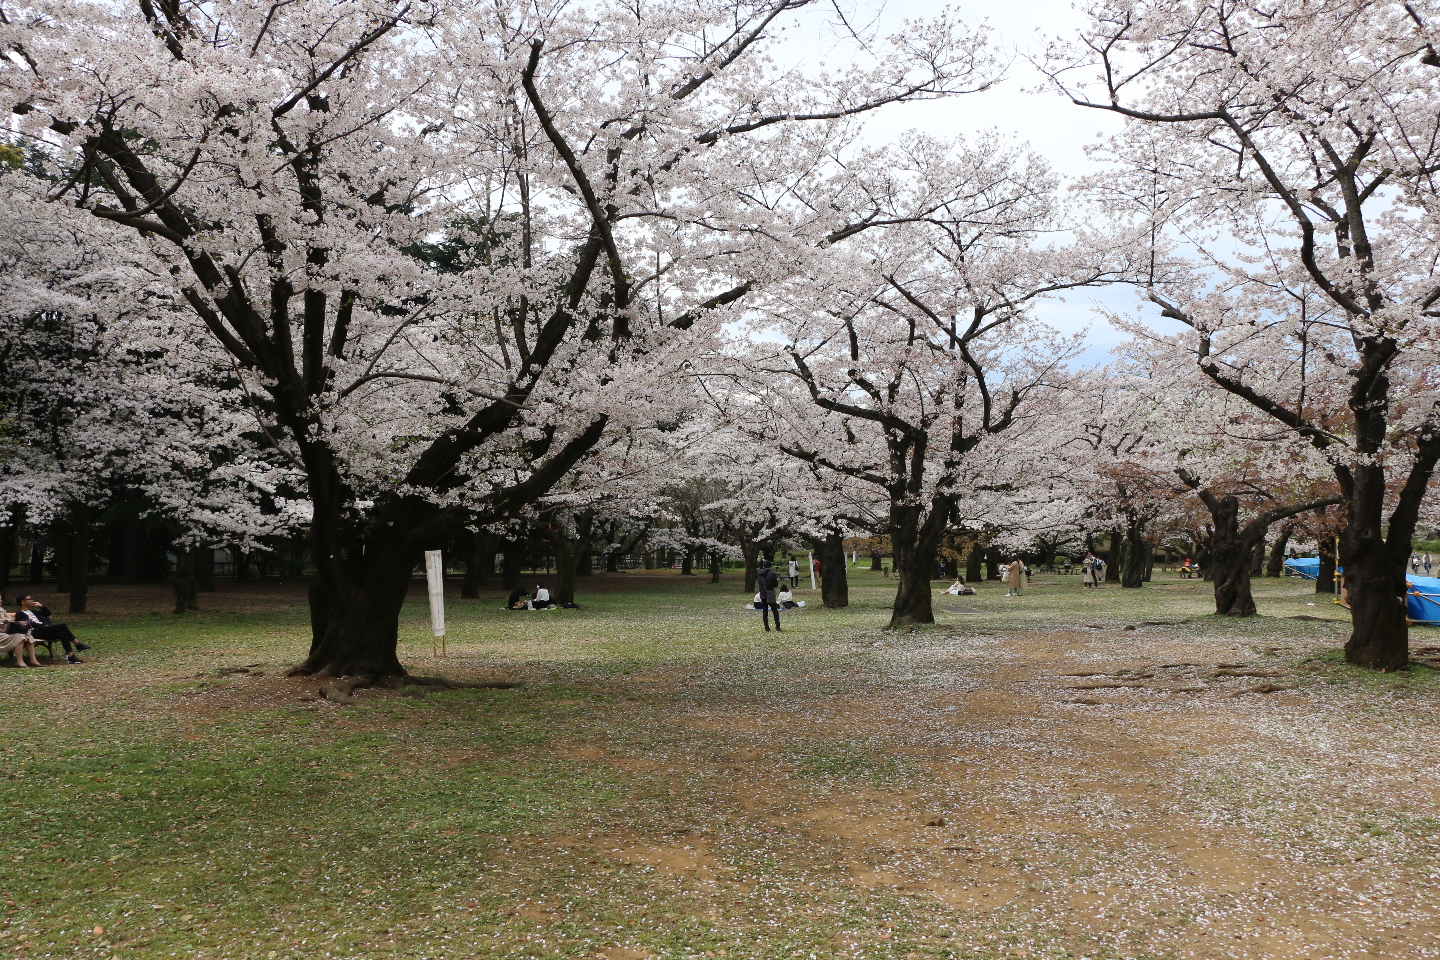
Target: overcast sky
column 1054, row 127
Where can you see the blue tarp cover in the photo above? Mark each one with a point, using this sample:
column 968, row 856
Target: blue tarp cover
column 1307, row 567
column 1422, row 599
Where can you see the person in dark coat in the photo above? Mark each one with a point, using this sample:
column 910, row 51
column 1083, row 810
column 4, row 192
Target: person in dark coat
column 769, row 584
column 35, row 614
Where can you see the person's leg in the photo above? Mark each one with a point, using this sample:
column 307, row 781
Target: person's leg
column 776, row 608
column 765, row 615
column 56, row 631
column 28, row 647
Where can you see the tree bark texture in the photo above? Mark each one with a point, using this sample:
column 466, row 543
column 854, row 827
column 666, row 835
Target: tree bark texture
column 835, row 584
column 974, row 569
column 569, row 545
column 1113, row 561
column 205, row 569
column 186, row 596
column 1133, row 574
column 1275, row 567
column 478, row 560
column 915, row 545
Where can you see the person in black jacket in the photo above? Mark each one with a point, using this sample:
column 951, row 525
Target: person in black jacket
column 769, row 584
column 37, row 615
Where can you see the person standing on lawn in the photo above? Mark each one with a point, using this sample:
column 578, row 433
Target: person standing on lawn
column 1015, row 577
column 794, row 573
column 769, row 584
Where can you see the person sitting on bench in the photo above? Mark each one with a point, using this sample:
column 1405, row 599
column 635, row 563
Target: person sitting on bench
column 36, row 616
column 14, row 638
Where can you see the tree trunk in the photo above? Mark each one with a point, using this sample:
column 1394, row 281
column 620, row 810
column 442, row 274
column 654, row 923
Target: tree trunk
column 687, row 565
column 973, row 568
column 751, row 553
column 1257, row 559
column 1276, row 565
column 992, row 563
column 612, row 561
column 79, row 556
column 205, row 569
column 875, row 564
column 476, row 574
column 586, row 566
column 242, row 565
column 835, row 585
column 136, row 540
column 914, row 546
column 37, row 560
column 186, row 595
column 714, row 567
column 1375, row 575
column 1133, row 574
column 1113, row 561
column 60, row 548
column 1325, row 575
column 568, row 548
column 510, row 567
column 1230, row 560
column 649, row 560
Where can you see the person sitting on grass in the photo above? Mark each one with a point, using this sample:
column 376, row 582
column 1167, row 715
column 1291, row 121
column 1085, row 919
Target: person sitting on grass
column 519, row 600
column 960, row 589
column 16, row 639
column 542, row 598
column 36, row 617
column 786, row 598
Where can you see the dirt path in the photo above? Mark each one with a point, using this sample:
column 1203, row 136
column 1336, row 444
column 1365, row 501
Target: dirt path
column 1071, row 790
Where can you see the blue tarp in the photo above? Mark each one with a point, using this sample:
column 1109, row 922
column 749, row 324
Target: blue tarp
column 1307, row 567
column 1422, row 600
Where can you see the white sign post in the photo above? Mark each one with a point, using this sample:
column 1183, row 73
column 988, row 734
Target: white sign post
column 810, row 558
column 435, row 580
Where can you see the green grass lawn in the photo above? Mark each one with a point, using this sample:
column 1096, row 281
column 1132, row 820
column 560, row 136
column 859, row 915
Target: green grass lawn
column 158, row 809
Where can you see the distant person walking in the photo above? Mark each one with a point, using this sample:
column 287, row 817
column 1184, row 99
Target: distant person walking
column 1427, row 564
column 1099, row 572
column 1087, row 571
column 769, row 583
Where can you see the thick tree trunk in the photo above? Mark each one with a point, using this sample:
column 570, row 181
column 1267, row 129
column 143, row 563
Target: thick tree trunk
column 1230, row 560
column 1276, row 565
column 136, row 540
column 586, row 566
column 482, row 546
column 915, row 546
column 1133, row 574
column 79, row 556
column 37, row 560
column 510, row 569
column 751, row 553
column 687, row 566
column 649, row 560
column 973, row 564
column 1113, row 561
column 242, row 565
column 186, row 595
column 205, row 569
column 1257, row 558
column 835, row 585
column 1375, row 574
column 714, row 567
column 60, row 565
column 875, row 563
column 568, row 548
column 355, row 614
column 992, row 563
column 1325, row 575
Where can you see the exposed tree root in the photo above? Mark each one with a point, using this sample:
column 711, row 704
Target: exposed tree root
column 342, row 689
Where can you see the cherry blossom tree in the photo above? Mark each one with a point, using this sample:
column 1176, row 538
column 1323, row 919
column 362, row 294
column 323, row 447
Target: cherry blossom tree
column 1285, row 154
column 905, row 364
column 448, row 247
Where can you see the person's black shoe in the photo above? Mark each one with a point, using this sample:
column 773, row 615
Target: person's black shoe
column 71, row 658
column 81, row 646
